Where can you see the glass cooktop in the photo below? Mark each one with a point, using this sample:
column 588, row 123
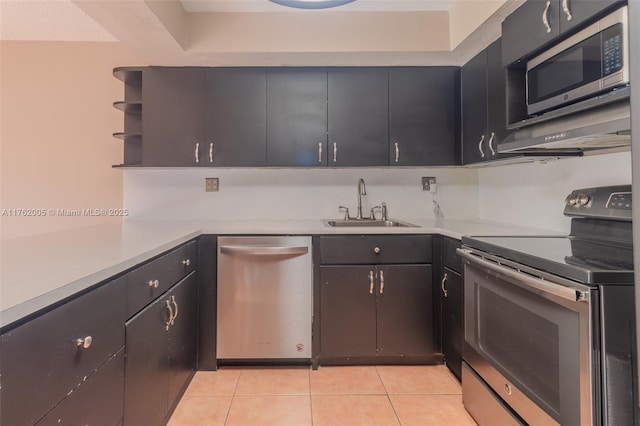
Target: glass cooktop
column 578, row 259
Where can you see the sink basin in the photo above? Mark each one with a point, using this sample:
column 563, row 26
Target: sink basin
column 360, row 223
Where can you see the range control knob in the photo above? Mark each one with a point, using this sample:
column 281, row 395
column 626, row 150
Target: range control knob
column 571, row 200
column 583, row 199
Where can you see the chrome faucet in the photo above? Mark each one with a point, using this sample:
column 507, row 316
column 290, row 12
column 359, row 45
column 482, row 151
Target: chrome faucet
column 362, row 190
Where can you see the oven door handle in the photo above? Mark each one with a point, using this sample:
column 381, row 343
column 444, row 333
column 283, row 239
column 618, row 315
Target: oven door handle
column 526, row 281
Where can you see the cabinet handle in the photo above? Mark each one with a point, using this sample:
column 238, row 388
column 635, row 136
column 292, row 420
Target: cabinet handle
column 381, row 282
column 170, row 320
column 197, row 152
column 84, row 342
column 480, row 146
column 567, row 11
column 371, row 284
column 442, row 286
column 320, row 152
column 154, row 283
column 335, row 152
column 493, row 151
column 175, row 314
column 376, row 250
column 186, row 262
column 545, row 16
column 397, row 152
column 211, row 152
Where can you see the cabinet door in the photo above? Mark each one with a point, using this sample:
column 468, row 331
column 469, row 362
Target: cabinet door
column 405, row 310
column 582, row 11
column 496, row 102
column 146, row 367
column 424, row 110
column 347, row 311
column 524, row 31
column 183, row 335
column 97, row 401
column 358, row 114
column 452, row 320
column 474, row 109
column 172, row 117
column 296, row 117
column 236, row 115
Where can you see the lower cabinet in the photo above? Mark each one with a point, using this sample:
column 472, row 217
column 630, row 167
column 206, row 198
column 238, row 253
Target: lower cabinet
column 161, row 344
column 452, row 300
column 372, row 312
column 452, row 320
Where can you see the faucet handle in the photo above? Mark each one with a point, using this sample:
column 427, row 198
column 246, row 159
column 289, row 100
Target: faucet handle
column 346, row 212
column 372, row 215
column 384, row 210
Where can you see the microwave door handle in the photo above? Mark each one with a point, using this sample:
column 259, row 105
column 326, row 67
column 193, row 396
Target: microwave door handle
column 525, row 281
column 545, row 16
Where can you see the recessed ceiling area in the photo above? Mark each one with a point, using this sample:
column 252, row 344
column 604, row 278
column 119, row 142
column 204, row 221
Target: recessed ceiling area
column 262, row 33
column 195, row 6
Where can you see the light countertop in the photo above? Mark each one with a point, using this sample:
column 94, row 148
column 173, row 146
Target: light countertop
column 44, row 269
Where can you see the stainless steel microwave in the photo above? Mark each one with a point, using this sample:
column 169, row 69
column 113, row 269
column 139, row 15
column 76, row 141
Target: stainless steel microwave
column 589, row 62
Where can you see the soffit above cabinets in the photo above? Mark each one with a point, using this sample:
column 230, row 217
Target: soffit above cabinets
column 262, row 33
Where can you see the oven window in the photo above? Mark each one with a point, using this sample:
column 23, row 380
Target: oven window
column 575, row 67
column 523, row 342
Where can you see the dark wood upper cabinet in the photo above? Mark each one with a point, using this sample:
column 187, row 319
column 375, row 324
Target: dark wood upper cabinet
column 236, row 117
column 297, row 117
column 484, row 123
column 474, row 109
column 173, row 116
column 358, row 114
column 424, row 111
column 525, row 32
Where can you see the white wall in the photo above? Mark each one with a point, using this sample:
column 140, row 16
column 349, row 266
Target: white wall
column 295, row 193
column 533, row 194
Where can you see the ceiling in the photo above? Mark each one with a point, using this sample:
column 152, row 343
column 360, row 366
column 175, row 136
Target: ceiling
column 261, row 33
column 359, row 5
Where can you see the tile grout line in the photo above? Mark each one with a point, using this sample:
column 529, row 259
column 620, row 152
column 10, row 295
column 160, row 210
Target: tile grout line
column 233, row 396
column 395, row 413
column 310, row 396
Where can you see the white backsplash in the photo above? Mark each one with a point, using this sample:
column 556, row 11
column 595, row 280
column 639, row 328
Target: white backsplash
column 295, row 193
column 530, row 194
column 533, row 194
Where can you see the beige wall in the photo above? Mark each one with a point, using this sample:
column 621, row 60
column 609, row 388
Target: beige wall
column 466, row 16
column 56, row 121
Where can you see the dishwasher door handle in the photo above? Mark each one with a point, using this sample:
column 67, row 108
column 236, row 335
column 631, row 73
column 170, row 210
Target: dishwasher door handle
column 264, row 250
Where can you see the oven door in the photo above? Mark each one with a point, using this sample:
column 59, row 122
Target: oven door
column 530, row 339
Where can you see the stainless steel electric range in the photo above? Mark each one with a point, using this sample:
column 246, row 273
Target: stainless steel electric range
column 549, row 321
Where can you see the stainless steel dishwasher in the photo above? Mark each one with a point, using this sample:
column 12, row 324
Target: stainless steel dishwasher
column 264, row 298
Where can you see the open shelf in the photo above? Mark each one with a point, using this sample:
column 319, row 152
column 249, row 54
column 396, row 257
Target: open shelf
column 129, row 107
column 128, row 137
column 128, row 75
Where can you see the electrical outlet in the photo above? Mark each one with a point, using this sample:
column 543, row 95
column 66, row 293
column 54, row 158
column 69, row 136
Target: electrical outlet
column 211, row 184
column 428, row 182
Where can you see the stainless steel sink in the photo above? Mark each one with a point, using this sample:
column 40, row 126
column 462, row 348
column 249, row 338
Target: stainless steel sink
column 360, row 223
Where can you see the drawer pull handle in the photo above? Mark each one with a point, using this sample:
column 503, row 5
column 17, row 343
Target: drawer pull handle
column 175, row 314
column 376, row 250
column 443, row 286
column 480, row 146
column 491, row 139
column 211, row 152
column 171, row 317
column 320, row 152
column 381, row 282
column 371, row 284
column 154, row 283
column 186, row 262
column 335, row 152
column 397, row 152
column 197, row 152
column 84, row 342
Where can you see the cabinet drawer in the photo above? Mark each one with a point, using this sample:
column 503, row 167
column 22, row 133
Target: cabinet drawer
column 41, row 361
column 373, row 249
column 97, row 402
column 164, row 272
column 450, row 258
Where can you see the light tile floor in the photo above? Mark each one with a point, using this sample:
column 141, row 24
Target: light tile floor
column 330, row 396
